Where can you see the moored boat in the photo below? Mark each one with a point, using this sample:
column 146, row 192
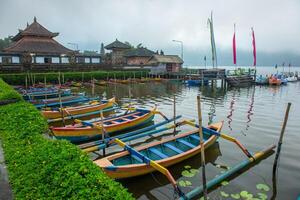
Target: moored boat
column 261, row 80
column 166, row 152
column 274, row 81
column 68, row 100
column 81, row 132
column 40, row 93
column 292, row 79
column 80, row 109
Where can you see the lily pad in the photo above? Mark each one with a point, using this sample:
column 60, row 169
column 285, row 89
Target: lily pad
column 262, row 196
column 194, row 171
column 246, row 195
column 235, row 196
column 182, row 183
column 188, row 183
column 263, row 187
column 186, row 173
column 225, row 183
column 224, row 194
column 187, row 167
column 202, row 198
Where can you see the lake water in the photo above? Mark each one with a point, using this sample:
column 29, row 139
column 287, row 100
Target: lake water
column 253, row 115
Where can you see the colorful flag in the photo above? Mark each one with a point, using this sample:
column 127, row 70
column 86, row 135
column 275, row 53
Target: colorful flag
column 234, row 47
column 254, row 48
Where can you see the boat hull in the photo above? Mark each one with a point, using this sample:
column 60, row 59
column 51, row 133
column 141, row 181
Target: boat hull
column 53, row 114
column 79, row 133
column 132, row 170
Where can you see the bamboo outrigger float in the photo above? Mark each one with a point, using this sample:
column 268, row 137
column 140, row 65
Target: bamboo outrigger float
column 81, row 109
column 83, row 131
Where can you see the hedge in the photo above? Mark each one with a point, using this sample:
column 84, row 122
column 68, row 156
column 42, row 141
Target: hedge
column 8, row 94
column 41, row 168
column 19, row 78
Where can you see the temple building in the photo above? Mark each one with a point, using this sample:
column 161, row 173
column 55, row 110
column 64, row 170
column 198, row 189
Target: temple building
column 138, row 56
column 164, row 64
column 35, row 48
column 118, row 50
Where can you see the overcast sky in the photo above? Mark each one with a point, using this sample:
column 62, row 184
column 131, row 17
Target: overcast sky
column 155, row 23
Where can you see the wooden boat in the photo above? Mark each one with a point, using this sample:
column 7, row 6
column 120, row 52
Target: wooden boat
column 166, row 152
column 261, row 80
column 76, row 110
column 193, row 82
column 64, row 101
column 40, row 93
column 274, row 81
column 80, row 132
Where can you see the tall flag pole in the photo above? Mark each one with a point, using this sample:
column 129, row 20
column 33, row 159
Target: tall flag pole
column 254, row 48
column 212, row 41
column 234, row 47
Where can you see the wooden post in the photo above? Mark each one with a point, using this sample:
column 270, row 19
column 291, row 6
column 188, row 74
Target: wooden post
column 26, row 84
column 202, row 147
column 59, row 83
column 103, row 130
column 45, row 85
column 61, row 108
column 63, row 78
column 274, row 173
column 174, row 109
column 93, row 86
column 281, row 134
column 202, row 82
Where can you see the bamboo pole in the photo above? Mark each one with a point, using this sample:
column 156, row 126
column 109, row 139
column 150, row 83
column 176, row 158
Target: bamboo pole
column 103, row 130
column 26, row 83
column 202, row 147
column 279, row 150
column 174, row 114
column 63, row 78
column 59, row 83
column 61, row 108
column 93, row 86
column 45, row 86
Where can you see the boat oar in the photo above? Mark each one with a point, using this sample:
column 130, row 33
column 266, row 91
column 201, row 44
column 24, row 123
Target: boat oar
column 202, row 147
column 152, row 163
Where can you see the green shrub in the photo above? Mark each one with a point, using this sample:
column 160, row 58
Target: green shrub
column 41, row 168
column 19, row 79
column 7, row 93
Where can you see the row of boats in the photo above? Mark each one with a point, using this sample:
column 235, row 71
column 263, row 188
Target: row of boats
column 277, row 79
column 100, row 133
column 130, row 124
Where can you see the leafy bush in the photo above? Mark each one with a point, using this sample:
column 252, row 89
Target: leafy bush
column 7, row 93
column 41, row 168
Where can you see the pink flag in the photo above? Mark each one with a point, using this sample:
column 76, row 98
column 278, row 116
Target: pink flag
column 254, row 48
column 234, row 47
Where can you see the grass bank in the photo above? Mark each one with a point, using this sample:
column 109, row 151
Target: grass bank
column 19, row 78
column 40, row 168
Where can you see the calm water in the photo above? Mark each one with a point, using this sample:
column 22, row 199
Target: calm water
column 253, row 115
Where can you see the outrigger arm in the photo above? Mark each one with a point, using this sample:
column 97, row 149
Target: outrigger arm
column 224, row 136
